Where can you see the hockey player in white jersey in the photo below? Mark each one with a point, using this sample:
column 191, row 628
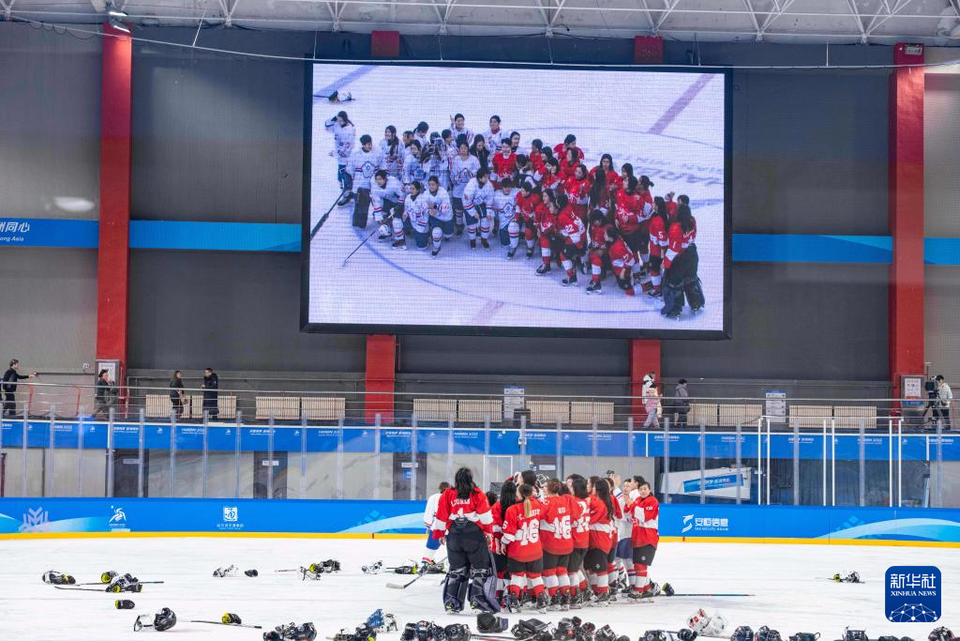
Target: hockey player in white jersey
column 494, row 136
column 458, row 126
column 387, row 194
column 391, row 153
column 441, row 213
column 344, row 134
column 416, row 219
column 463, row 167
column 508, row 218
column 413, row 169
column 364, row 163
column 477, row 208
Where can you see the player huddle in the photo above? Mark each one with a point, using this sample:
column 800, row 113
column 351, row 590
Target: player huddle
column 434, row 186
column 559, row 545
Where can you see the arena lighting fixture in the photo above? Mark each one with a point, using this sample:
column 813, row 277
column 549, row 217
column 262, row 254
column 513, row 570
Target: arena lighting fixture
column 116, row 17
column 118, row 25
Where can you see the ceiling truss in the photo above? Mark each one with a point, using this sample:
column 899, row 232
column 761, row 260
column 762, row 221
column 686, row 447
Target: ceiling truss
column 805, row 21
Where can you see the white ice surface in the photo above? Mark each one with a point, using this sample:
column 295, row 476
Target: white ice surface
column 789, row 595
column 608, row 111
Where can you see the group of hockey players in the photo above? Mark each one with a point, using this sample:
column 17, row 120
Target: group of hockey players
column 601, row 221
column 548, row 543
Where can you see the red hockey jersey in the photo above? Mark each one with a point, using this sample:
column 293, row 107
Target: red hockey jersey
column 601, row 526
column 550, row 180
column 571, row 227
column 581, row 521
column 504, row 166
column 527, row 206
column 475, row 509
column 556, row 525
column 521, row 533
column 622, row 256
column 658, row 236
column 598, row 236
column 497, row 527
column 677, row 241
column 546, row 220
column 629, row 210
column 645, row 513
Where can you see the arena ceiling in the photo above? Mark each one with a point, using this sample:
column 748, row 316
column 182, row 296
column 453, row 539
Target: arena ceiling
column 933, row 22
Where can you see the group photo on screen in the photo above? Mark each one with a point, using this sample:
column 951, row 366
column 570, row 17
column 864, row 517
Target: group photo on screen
column 514, row 198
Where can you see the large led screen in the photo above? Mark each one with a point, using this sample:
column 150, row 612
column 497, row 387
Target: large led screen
column 481, row 200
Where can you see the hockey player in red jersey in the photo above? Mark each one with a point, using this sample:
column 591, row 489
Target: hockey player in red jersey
column 573, row 232
column 681, row 263
column 504, row 164
column 465, row 524
column 521, row 536
column 646, row 211
column 569, row 162
column 547, row 215
column 528, row 200
column 658, row 241
column 551, row 177
column 629, row 213
column 536, row 155
column 605, row 189
column 577, row 190
column 645, row 511
column 569, row 142
column 508, row 496
column 581, row 540
column 602, row 513
column 599, row 243
column 624, row 261
column 556, row 533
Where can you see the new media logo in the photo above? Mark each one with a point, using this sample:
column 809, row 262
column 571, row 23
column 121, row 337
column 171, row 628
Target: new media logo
column 913, row 594
column 691, row 522
column 231, row 514
column 231, row 519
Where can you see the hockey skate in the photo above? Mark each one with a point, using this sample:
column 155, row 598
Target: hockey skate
column 529, row 252
column 434, row 253
column 542, row 602
column 570, row 281
column 594, row 288
column 399, row 244
column 473, row 243
column 485, row 244
column 543, row 269
column 511, row 253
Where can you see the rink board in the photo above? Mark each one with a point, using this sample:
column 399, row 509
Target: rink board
column 496, row 442
column 26, row 516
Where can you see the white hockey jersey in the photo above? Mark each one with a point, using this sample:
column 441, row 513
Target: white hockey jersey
column 392, row 163
column 363, row 165
column 461, row 173
column 392, row 191
column 416, row 211
column 413, row 169
column 494, row 140
column 505, row 206
column 475, row 195
column 438, row 204
column 343, row 138
column 461, row 132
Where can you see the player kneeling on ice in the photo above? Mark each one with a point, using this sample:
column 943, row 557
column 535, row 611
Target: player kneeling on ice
column 626, row 267
column 464, row 524
column 387, row 195
column 508, row 218
column 521, row 536
column 478, row 208
column 416, row 219
column 437, row 201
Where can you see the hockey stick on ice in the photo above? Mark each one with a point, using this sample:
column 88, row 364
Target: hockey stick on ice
column 229, row 625
column 404, row 586
column 364, row 241
column 323, row 219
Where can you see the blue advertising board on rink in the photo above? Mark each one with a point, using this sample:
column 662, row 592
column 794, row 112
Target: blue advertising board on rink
column 353, row 517
column 498, row 442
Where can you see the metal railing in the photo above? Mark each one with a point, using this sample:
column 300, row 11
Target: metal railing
column 311, row 445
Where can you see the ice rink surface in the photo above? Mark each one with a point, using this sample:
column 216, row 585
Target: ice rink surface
column 670, row 126
column 791, row 593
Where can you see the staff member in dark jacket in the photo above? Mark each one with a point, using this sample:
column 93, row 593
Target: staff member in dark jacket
column 104, row 394
column 176, row 394
column 10, row 378
column 211, row 383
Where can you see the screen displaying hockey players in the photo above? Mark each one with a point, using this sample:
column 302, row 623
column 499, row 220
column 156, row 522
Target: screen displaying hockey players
column 469, row 199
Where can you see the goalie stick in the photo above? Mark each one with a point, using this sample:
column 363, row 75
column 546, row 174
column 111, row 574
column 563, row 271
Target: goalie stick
column 404, row 586
column 323, row 219
column 369, row 236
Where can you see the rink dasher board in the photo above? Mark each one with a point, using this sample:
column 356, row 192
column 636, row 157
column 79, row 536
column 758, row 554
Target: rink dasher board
column 502, row 442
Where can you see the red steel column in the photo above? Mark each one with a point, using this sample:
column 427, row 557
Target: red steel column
column 381, row 374
column 381, row 348
column 115, row 142
column 905, row 186
column 644, row 353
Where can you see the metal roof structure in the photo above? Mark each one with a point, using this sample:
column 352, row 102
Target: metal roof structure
column 932, row 22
